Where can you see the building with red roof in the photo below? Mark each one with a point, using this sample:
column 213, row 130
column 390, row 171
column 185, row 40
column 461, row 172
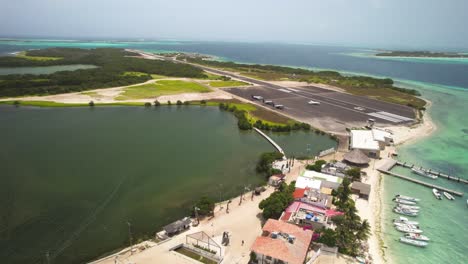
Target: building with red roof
column 282, row 242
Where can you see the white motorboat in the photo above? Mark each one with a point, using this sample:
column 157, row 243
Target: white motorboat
column 407, row 209
column 404, row 220
column 448, row 196
column 411, row 207
column 416, row 237
column 413, row 242
column 423, row 173
column 406, row 225
column 404, row 201
column 436, row 194
column 406, row 229
column 404, row 212
column 407, row 198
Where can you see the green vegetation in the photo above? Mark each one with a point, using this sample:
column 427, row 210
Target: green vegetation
column 115, row 69
column 242, row 121
column 424, row 54
column 381, row 89
column 274, row 205
column 264, row 163
column 350, row 231
column 195, row 256
column 162, row 87
column 220, row 84
column 354, row 174
column 24, row 55
column 205, row 205
column 317, row 166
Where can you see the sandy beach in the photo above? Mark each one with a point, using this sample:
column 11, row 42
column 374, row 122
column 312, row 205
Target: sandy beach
column 372, row 209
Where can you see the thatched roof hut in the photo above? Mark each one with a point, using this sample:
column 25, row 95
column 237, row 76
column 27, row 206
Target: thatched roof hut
column 356, row 157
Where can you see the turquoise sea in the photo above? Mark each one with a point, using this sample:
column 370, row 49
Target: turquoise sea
column 444, row 82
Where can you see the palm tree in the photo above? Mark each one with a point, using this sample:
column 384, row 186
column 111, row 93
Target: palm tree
column 363, row 231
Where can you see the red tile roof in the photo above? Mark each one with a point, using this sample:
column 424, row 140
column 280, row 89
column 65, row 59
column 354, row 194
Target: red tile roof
column 280, row 248
column 299, row 193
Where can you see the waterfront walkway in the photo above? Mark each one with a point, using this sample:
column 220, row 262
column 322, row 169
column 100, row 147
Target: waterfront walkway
column 271, row 141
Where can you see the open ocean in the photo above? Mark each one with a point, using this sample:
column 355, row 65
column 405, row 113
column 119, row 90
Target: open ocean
column 442, row 81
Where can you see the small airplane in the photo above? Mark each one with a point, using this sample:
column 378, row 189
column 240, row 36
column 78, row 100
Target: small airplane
column 268, row 102
column 314, row 103
column 257, row 97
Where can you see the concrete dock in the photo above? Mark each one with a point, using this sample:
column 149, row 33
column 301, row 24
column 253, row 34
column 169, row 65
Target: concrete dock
column 440, row 188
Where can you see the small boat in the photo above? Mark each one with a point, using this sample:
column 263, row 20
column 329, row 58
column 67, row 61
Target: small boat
column 448, row 196
column 416, row 237
column 404, row 201
column 404, row 212
column 436, row 194
column 406, row 229
column 413, row 242
column 407, row 209
column 406, row 225
column 404, row 220
column 407, row 198
column 411, row 207
column 423, row 173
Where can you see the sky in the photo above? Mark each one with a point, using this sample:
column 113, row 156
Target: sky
column 366, row 23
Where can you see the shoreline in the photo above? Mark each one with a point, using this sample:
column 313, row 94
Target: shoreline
column 373, row 209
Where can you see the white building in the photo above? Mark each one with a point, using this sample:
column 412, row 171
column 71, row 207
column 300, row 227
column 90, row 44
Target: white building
column 370, row 142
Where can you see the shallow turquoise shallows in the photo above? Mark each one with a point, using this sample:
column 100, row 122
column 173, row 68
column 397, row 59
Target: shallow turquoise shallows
column 72, row 177
column 445, row 222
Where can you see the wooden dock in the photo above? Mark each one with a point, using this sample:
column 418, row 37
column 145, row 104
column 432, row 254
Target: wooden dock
column 439, row 174
column 421, row 182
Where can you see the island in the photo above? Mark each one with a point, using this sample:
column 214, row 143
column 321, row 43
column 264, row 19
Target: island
column 421, row 54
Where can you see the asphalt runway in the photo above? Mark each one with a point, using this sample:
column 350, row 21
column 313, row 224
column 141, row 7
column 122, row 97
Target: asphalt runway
column 341, row 107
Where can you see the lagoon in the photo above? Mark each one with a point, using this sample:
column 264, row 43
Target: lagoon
column 73, row 177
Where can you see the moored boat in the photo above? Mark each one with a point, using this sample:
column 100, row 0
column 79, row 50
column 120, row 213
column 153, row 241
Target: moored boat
column 417, row 236
column 423, row 173
column 407, row 198
column 448, row 196
column 406, row 229
column 404, row 220
column 408, row 209
column 406, row 225
column 404, row 212
column 412, row 207
column 413, row 242
column 404, row 201
column 436, row 194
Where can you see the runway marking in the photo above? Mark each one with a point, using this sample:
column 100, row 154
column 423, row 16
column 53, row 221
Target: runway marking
column 388, row 118
column 285, row 90
column 396, row 116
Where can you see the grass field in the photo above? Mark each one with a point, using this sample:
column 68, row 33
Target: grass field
column 24, row 55
column 163, row 87
column 232, row 83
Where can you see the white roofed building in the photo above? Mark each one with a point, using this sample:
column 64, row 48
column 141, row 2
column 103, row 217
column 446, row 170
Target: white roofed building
column 370, row 142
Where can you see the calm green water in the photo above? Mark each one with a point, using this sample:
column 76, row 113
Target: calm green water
column 72, row 177
column 445, row 222
column 44, row 69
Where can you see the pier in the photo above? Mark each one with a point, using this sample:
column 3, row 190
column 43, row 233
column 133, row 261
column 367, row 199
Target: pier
column 429, row 171
column 384, row 169
column 271, row 141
